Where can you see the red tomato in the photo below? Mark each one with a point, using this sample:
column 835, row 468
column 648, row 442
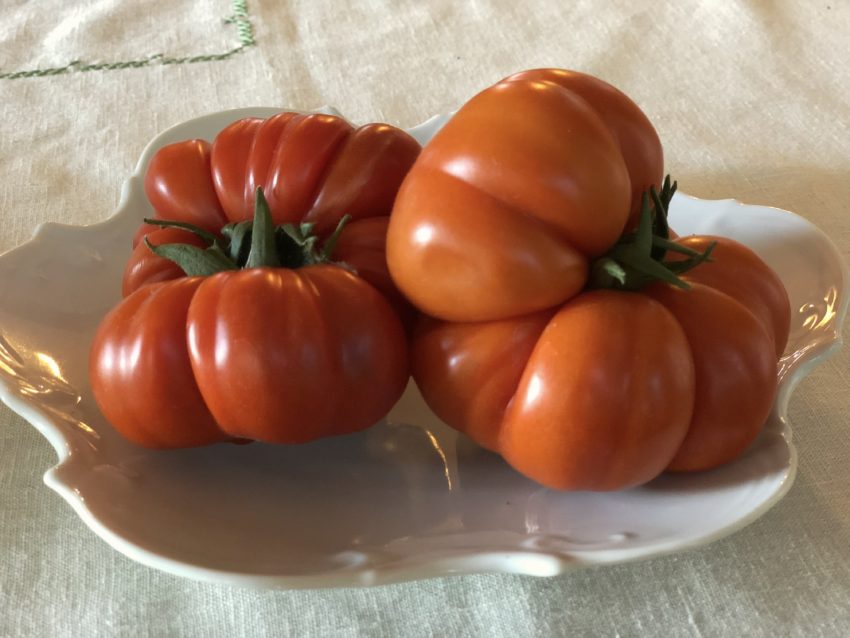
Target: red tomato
column 735, row 361
column 312, row 168
column 140, row 372
column 609, row 389
column 179, row 186
column 528, row 180
column 277, row 355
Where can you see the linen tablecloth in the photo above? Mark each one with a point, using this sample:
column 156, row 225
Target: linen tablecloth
column 751, row 100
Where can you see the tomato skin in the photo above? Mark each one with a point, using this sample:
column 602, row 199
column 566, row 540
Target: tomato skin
column 140, row 373
column 611, row 388
column 740, row 273
column 288, row 356
column 362, row 247
column 515, row 265
column 735, row 361
column 634, row 133
column 312, row 168
column 144, row 267
column 525, row 183
column 468, row 372
column 179, row 186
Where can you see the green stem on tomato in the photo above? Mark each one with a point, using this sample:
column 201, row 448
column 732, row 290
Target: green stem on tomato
column 194, row 261
column 249, row 244
column 263, row 250
column 637, row 259
column 206, row 235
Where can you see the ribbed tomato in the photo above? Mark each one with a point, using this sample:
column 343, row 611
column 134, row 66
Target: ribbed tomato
column 528, row 181
column 286, row 349
column 614, row 386
column 313, row 169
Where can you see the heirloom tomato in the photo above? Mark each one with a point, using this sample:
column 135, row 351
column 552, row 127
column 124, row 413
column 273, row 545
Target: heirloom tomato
column 644, row 371
column 313, row 169
column 287, row 349
column 509, row 201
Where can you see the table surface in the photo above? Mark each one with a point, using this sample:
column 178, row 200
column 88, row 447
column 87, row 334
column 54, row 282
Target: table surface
column 751, row 100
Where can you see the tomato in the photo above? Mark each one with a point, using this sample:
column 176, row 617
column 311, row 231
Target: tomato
column 333, row 338
column 282, row 346
column 313, row 168
column 632, row 130
column 276, row 355
column 511, row 198
column 735, row 362
column 611, row 388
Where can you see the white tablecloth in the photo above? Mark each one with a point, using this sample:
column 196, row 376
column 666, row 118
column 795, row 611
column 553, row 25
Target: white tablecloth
column 751, row 100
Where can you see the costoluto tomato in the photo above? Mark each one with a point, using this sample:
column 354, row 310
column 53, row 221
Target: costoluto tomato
column 531, row 179
column 276, row 354
column 313, row 168
column 621, row 382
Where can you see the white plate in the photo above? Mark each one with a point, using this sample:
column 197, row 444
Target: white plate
column 403, row 500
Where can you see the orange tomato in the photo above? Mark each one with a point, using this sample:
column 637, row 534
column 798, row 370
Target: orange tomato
column 611, row 388
column 505, row 205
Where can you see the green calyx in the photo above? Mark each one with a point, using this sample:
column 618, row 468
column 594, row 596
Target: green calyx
column 248, row 244
column 637, row 259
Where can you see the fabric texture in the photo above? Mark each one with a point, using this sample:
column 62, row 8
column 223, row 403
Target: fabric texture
column 751, row 100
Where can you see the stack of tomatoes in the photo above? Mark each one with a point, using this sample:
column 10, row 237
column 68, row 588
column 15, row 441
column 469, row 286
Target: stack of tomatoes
column 520, row 265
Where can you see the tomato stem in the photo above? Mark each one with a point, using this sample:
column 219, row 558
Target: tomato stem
column 206, row 235
column 249, row 244
column 637, row 259
column 263, row 251
column 194, row 261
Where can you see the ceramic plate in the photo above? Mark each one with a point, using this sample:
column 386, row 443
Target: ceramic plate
column 405, row 499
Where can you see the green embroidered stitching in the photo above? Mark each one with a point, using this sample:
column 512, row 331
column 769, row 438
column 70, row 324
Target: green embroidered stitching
column 240, row 18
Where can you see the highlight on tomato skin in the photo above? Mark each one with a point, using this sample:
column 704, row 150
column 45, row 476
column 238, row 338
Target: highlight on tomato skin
column 140, row 373
column 529, row 180
column 638, row 141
